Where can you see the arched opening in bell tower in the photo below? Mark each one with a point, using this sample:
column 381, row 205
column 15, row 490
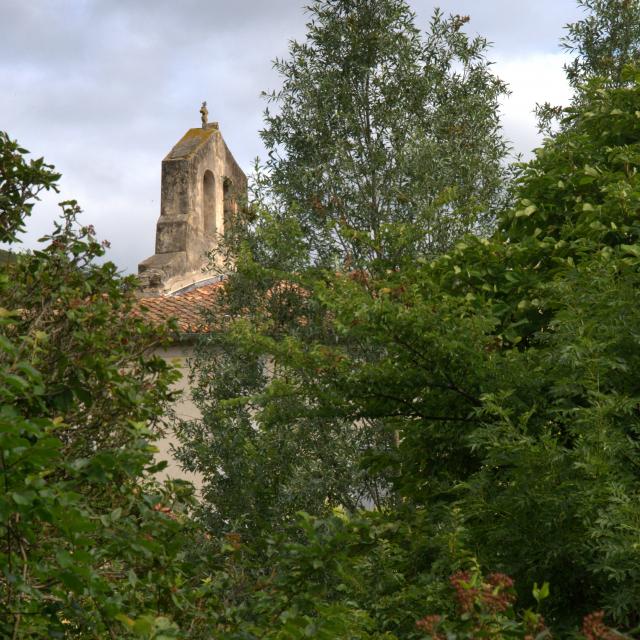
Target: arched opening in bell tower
column 209, row 202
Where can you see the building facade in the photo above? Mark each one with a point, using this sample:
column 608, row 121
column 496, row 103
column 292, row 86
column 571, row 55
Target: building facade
column 202, row 187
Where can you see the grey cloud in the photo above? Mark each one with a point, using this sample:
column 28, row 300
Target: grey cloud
column 190, row 19
column 104, row 88
column 513, row 26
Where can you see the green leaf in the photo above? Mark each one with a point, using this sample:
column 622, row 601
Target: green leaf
column 632, row 249
column 64, row 558
column 540, row 593
column 526, row 212
column 23, row 498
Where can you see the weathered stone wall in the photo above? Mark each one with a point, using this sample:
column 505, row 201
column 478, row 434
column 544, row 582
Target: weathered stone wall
column 200, row 182
column 202, row 187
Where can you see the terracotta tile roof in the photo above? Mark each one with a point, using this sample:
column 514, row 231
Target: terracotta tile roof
column 186, row 308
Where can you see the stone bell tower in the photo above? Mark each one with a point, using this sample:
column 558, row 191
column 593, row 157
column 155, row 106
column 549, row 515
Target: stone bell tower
column 201, row 187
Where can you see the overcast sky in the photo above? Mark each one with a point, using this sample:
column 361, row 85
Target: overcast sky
column 104, row 88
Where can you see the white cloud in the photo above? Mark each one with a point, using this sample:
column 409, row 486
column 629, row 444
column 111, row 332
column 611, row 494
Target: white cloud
column 535, row 78
column 104, row 88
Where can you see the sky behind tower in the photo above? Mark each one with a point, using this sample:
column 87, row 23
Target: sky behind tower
column 104, row 88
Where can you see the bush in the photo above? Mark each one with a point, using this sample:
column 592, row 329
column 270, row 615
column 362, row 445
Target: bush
column 90, row 544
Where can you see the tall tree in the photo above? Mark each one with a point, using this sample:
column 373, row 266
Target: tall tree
column 384, row 147
column 380, row 133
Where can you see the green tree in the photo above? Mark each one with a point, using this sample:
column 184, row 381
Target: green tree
column 90, row 545
column 374, row 123
column 604, row 41
column 384, row 146
column 20, row 184
column 508, row 369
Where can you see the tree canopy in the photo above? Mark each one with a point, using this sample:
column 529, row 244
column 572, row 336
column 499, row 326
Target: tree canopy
column 419, row 396
column 480, row 398
column 383, row 141
column 384, row 147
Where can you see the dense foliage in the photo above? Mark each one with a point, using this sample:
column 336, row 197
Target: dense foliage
column 460, row 418
column 508, row 369
column 497, row 385
column 87, row 548
column 384, row 146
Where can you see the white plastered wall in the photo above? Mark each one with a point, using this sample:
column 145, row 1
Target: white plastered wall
column 184, row 409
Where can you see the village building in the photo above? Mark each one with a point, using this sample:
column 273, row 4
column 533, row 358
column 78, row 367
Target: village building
column 201, row 188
